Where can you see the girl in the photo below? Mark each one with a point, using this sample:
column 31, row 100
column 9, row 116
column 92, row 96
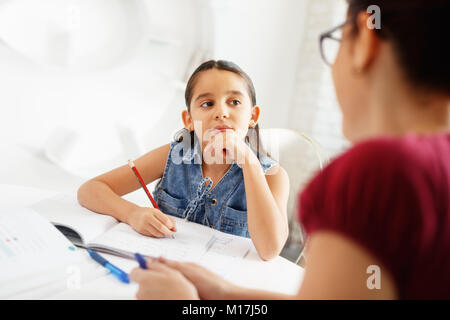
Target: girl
column 378, row 216
column 214, row 173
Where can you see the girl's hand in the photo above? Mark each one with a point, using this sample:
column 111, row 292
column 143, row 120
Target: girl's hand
column 160, row 282
column 151, row 222
column 230, row 146
column 208, row 284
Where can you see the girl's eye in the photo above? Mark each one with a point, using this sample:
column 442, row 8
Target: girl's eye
column 235, row 102
column 206, row 104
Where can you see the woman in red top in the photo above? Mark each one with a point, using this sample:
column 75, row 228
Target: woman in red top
column 378, row 217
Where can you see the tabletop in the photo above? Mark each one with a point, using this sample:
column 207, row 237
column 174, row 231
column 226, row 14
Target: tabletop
column 279, row 274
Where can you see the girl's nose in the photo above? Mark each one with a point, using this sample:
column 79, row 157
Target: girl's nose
column 221, row 112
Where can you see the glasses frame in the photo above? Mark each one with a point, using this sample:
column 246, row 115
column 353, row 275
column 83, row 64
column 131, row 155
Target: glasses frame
column 328, row 35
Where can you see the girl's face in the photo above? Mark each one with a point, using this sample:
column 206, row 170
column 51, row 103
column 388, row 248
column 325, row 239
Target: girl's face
column 220, row 100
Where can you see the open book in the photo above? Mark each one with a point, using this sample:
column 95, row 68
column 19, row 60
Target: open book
column 35, row 259
column 192, row 242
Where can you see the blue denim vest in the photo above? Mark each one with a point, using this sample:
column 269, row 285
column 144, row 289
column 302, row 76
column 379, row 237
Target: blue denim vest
column 182, row 191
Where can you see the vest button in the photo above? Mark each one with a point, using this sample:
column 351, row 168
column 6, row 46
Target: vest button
column 213, row 202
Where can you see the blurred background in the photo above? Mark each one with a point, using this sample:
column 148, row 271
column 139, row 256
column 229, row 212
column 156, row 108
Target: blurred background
column 88, row 84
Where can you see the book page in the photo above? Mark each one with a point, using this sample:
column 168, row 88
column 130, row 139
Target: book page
column 64, row 210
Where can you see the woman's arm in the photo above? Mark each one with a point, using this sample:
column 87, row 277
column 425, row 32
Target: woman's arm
column 103, row 193
column 208, row 285
column 337, row 269
column 267, row 197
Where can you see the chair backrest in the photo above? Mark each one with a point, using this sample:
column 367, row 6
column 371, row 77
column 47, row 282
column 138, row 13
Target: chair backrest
column 301, row 157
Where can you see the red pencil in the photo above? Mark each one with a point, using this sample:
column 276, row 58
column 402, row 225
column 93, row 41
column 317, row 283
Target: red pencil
column 133, row 167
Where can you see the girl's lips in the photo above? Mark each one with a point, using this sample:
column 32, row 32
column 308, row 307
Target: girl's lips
column 222, row 128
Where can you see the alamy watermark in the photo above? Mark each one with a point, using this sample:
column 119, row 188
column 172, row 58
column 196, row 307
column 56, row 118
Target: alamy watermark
column 209, row 148
column 374, row 281
column 374, row 21
column 74, row 278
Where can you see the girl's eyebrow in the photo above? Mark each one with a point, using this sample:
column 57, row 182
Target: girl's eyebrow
column 203, row 95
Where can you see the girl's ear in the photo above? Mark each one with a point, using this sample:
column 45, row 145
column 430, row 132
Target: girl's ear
column 187, row 120
column 255, row 116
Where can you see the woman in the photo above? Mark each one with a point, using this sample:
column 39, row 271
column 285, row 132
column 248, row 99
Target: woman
column 378, row 217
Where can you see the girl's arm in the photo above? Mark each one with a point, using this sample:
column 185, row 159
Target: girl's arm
column 103, row 194
column 267, row 197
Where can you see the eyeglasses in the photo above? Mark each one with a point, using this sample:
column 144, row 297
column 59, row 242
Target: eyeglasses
column 330, row 42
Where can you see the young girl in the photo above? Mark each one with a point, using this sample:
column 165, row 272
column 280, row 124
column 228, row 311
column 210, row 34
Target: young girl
column 213, row 174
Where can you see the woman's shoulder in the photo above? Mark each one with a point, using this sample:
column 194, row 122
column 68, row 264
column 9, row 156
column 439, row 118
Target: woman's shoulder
column 383, row 173
column 382, row 176
column 395, row 154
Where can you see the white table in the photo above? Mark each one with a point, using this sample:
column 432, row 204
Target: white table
column 278, row 275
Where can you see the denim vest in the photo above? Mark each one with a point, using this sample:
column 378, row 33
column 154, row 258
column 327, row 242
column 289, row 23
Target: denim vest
column 182, row 191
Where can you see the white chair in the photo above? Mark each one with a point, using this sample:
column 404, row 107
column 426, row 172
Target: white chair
column 301, row 157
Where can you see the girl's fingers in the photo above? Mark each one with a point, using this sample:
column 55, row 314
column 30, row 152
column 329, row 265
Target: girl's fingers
column 154, row 221
column 174, row 227
column 154, row 232
column 209, row 148
column 164, row 219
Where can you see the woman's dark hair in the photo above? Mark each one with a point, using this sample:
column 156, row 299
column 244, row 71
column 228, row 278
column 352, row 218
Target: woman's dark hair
column 419, row 32
column 253, row 134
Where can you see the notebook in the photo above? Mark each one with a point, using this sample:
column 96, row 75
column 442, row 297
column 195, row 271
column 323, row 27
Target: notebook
column 192, row 242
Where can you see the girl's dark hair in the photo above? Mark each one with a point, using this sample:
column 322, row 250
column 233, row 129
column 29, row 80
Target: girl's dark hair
column 219, row 65
column 253, row 135
column 419, row 33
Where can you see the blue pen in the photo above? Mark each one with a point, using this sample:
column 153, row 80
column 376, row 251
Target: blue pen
column 141, row 260
column 118, row 273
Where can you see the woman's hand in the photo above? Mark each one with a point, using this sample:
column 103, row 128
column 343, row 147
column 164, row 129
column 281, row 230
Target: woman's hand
column 151, row 222
column 161, row 282
column 208, row 284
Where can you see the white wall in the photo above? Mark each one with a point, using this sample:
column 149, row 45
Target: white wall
column 263, row 38
column 76, row 109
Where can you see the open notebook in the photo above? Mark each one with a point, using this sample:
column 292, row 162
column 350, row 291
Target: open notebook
column 192, row 242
